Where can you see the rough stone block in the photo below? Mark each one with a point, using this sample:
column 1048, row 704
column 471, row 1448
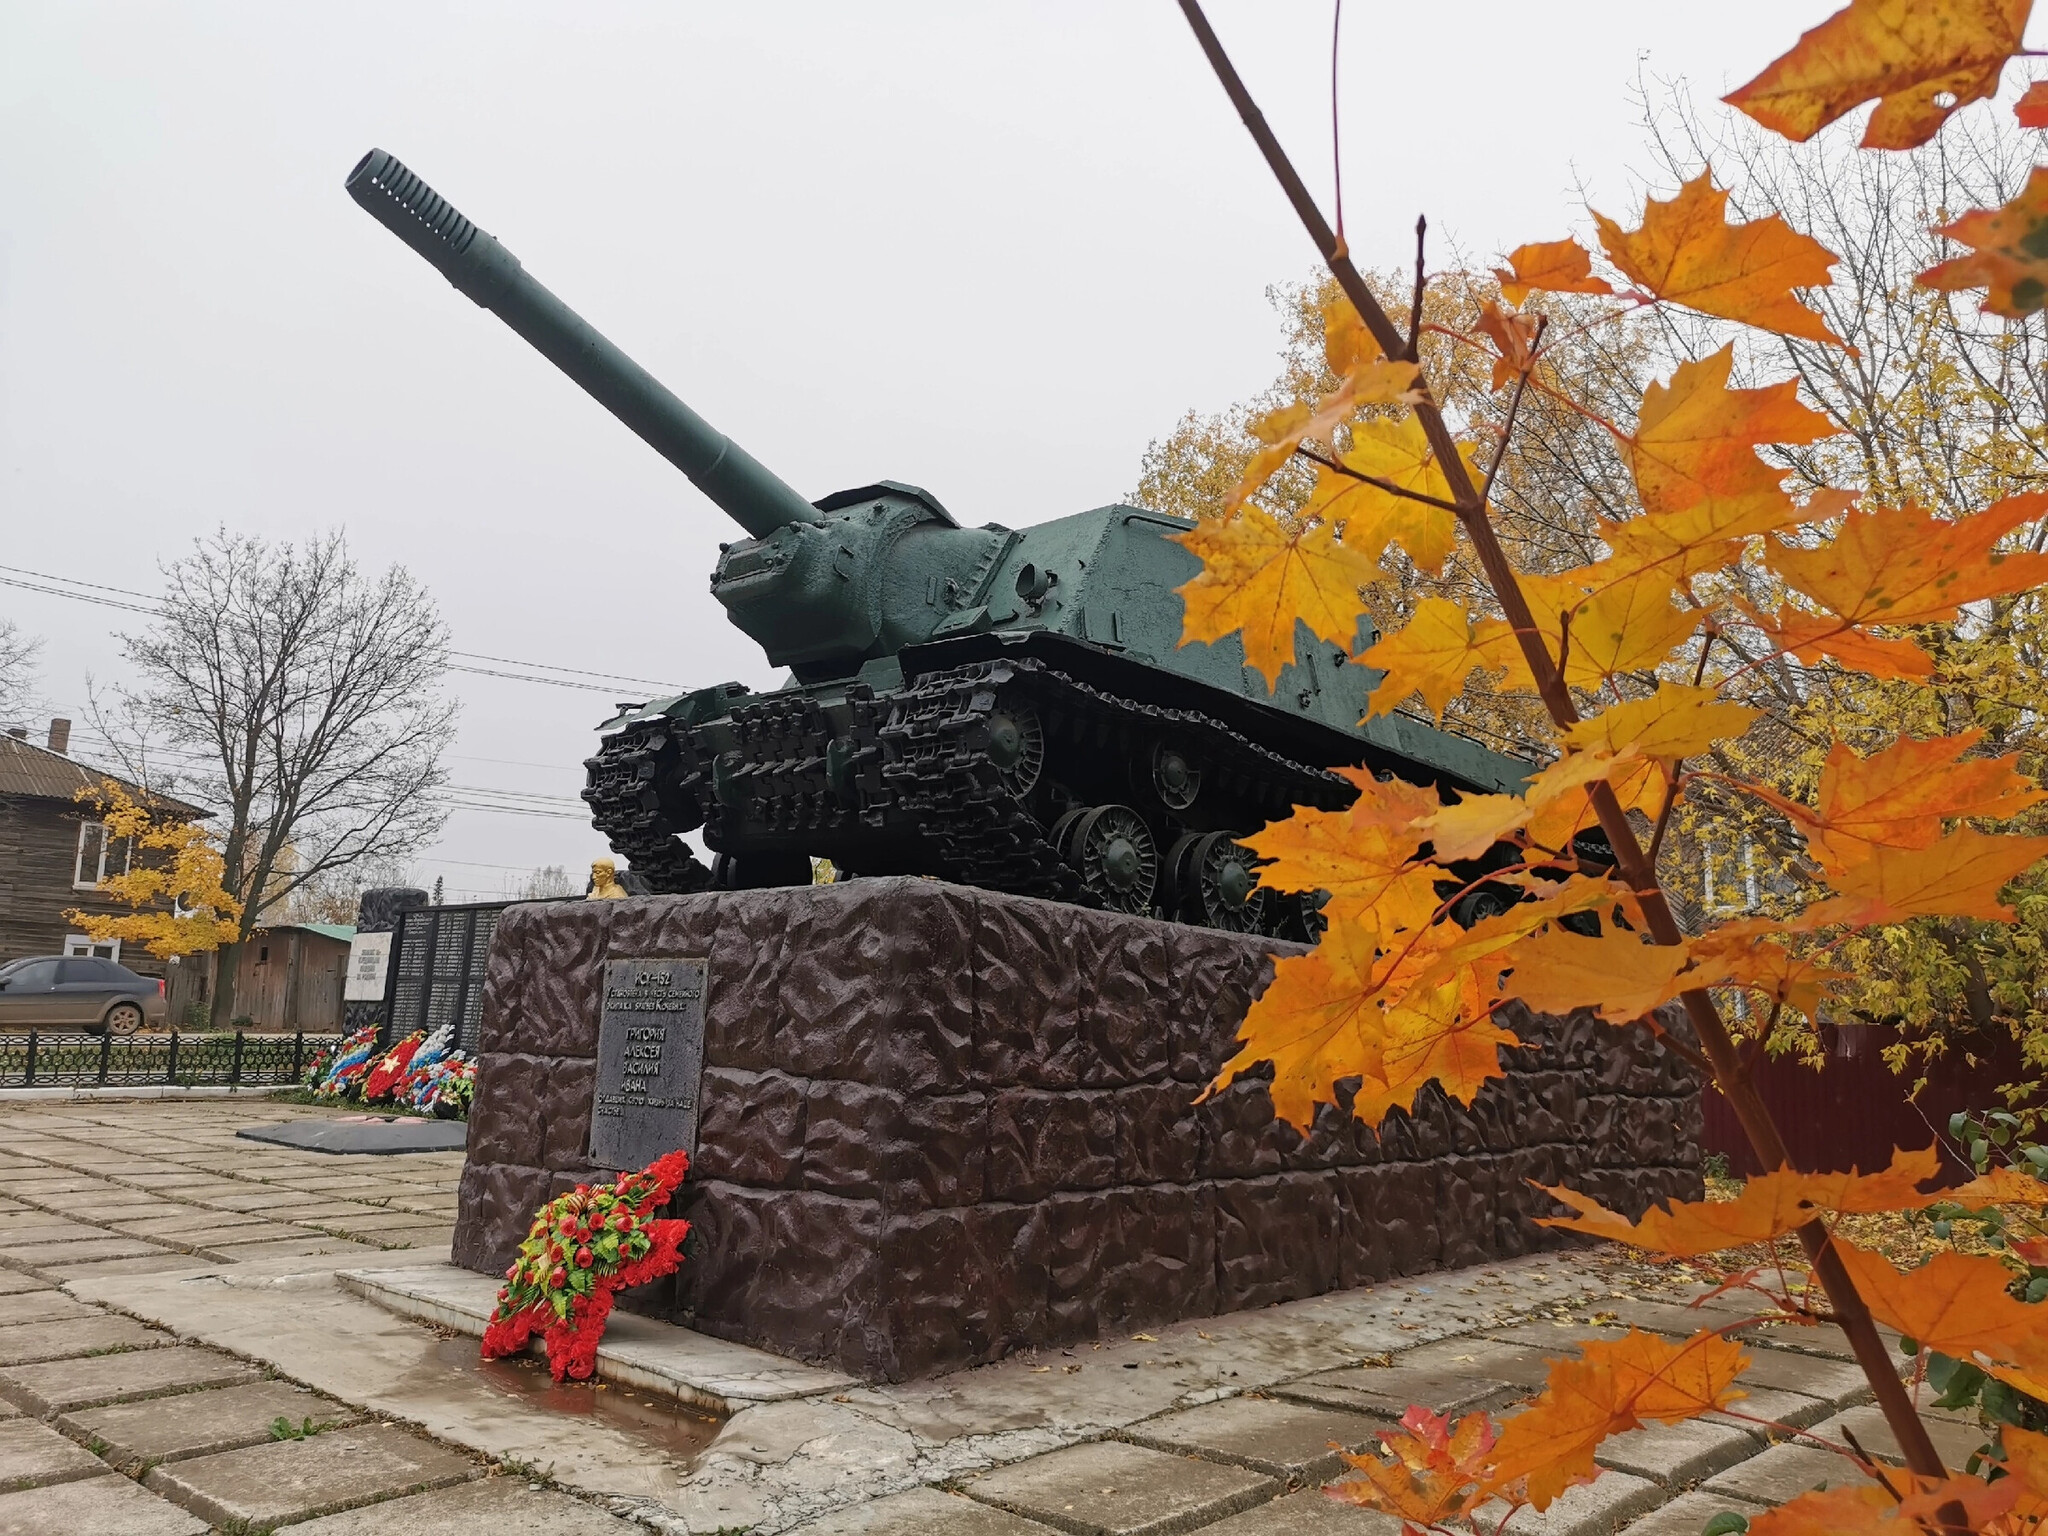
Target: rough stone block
column 287, row 1480
column 110, row 1503
column 1294, row 1442
column 1040, row 1143
column 1111, row 1489
column 33, row 1454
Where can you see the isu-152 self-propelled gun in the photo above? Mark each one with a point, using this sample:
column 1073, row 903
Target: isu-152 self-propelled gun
column 1009, row 708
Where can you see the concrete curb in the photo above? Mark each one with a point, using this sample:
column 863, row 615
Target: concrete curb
column 144, row 1091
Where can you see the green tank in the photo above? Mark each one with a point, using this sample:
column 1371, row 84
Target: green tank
column 1008, row 708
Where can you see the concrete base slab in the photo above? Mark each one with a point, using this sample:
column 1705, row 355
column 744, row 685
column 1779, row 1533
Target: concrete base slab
column 61, row 1385
column 201, row 1423
column 36, row 1254
column 507, row 1504
column 1294, row 1442
column 922, row 1512
column 286, row 1480
column 1688, row 1514
column 1310, row 1512
column 14, row 1283
column 1388, row 1391
column 33, row 1454
column 1111, row 1489
column 94, row 1506
column 153, row 1263
column 95, row 1334
column 377, row 1135
column 637, row 1351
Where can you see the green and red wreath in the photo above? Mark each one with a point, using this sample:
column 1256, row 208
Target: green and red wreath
column 582, row 1249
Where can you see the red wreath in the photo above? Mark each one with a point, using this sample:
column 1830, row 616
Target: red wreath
column 582, row 1249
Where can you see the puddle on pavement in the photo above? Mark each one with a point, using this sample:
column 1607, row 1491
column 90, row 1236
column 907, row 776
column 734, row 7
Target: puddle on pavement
column 680, row 1429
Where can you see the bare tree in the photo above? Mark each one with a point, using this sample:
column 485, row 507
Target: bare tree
column 17, row 673
column 548, row 883
column 300, row 700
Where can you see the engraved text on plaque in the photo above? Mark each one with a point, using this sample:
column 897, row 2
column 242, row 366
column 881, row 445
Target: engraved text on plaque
column 650, row 1056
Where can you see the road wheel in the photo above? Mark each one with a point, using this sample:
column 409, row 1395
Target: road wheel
column 123, row 1019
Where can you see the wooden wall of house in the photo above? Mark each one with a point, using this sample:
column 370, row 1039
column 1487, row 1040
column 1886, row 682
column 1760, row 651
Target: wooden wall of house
column 288, row 979
column 38, row 857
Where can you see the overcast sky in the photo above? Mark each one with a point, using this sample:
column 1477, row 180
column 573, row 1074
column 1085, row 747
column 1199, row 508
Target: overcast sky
column 989, row 249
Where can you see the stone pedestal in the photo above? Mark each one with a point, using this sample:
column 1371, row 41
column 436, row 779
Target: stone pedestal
column 937, row 1124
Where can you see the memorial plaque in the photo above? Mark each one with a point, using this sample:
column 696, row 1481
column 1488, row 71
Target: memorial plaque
column 650, row 1057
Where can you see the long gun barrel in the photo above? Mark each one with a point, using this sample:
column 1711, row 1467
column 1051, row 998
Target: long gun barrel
column 491, row 275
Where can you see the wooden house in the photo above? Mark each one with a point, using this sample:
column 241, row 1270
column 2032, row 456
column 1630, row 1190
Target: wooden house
column 54, row 853
column 289, row 978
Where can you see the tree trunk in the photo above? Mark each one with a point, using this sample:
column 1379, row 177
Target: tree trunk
column 227, row 961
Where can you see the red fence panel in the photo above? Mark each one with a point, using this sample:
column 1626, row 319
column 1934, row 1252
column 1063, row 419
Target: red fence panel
column 1854, row 1111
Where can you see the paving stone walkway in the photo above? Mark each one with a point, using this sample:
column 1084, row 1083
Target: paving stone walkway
column 176, row 1357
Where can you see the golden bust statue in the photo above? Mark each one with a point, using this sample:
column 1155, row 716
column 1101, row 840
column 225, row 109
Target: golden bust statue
column 604, row 881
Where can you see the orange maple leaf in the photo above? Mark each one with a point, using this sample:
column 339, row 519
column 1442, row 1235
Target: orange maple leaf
column 1697, row 439
column 1360, row 855
column 1769, row 1206
column 1900, row 797
column 1956, row 1303
column 1900, row 565
column 1260, row 577
column 1687, row 253
column 1555, row 266
column 2005, row 1186
column 1283, row 431
column 1615, row 1386
column 1810, row 636
column 1959, row 876
column 1514, row 333
column 1617, row 974
column 1432, row 1034
column 1750, row 953
column 1920, row 60
column 1863, row 1511
column 2007, row 258
column 1435, row 1470
column 2032, row 108
column 1433, row 654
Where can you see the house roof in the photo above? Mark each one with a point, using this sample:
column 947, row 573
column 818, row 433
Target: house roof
column 340, row 931
column 37, row 773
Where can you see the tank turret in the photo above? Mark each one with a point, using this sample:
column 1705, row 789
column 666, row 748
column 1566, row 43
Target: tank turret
column 1006, row 707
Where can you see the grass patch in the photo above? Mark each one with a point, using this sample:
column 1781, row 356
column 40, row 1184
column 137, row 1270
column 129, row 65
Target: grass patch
column 282, row 1428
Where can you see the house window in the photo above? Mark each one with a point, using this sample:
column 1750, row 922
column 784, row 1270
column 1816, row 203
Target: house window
column 263, row 955
column 97, row 855
column 79, row 944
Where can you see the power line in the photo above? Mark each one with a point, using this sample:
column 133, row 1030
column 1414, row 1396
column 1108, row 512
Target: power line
column 148, row 605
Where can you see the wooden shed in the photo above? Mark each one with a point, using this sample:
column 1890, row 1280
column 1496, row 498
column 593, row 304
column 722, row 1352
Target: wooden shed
column 290, row 979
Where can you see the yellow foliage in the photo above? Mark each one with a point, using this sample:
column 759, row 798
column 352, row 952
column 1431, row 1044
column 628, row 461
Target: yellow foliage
column 174, row 887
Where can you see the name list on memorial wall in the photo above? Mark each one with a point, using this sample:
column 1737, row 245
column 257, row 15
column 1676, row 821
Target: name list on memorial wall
column 650, row 1056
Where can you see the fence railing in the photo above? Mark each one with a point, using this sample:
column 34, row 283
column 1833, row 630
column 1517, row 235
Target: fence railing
column 74, row 1059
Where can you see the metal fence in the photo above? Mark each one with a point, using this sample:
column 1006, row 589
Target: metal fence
column 437, row 970
column 76, row 1059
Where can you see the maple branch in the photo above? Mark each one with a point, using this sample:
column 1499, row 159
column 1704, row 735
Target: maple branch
column 1672, row 1043
column 1750, row 1110
column 1664, row 814
column 1414, row 353
column 1374, row 480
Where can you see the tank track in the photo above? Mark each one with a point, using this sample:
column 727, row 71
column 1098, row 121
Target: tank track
column 916, row 759
column 642, row 792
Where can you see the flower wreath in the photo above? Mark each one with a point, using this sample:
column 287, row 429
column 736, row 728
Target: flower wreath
column 350, row 1064
column 581, row 1250
column 390, row 1068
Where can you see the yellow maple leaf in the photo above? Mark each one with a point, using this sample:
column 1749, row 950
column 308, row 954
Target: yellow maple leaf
column 1283, row 431
column 2006, row 257
column 1750, row 953
column 1395, row 450
column 1432, row 1035
column 1473, row 825
column 1674, row 722
column 1697, row 439
column 1687, row 253
column 1260, row 577
column 1617, row 974
column 1359, row 856
column 1615, row 1386
column 1629, row 626
column 1919, row 59
column 1433, row 653
column 1555, row 266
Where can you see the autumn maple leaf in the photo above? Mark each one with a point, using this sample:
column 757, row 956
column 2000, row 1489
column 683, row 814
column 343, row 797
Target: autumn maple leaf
column 1920, row 60
column 1687, row 253
column 2007, row 257
column 1555, row 266
column 1260, row 577
column 2032, row 108
column 1433, row 654
column 1696, row 439
column 1769, row 1206
column 1674, row 722
column 1809, row 637
column 1959, row 876
column 1901, row 796
column 1433, row 1469
column 1900, row 565
column 1956, row 1303
column 1616, row 974
column 1398, row 452
column 1615, row 1386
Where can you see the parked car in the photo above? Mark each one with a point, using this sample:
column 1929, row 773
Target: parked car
column 79, row 992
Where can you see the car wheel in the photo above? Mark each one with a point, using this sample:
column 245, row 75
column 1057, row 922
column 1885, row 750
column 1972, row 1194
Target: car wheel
column 123, row 1019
